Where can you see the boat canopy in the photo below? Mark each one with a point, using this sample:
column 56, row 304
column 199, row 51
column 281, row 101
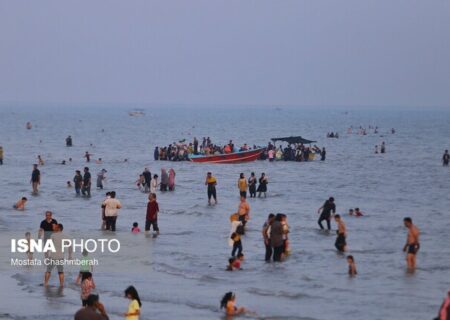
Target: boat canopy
column 291, row 140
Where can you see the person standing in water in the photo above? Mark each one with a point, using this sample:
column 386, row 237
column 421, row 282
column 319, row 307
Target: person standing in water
column 211, row 183
column 383, row 148
column 262, row 188
column 412, row 245
column 57, row 256
column 445, row 158
column 244, row 211
column 323, row 154
column 112, row 206
column 266, row 236
column 35, row 178
column 154, row 184
column 69, row 141
column 1, row 155
column 86, row 190
column 147, row 179
column 276, row 238
column 100, row 177
column 171, row 179
column 77, row 182
column 134, row 308
column 242, row 185
column 327, row 208
column 341, row 232
column 252, row 185
column 164, row 180
column 151, row 218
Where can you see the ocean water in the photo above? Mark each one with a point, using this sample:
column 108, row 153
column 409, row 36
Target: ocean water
column 181, row 273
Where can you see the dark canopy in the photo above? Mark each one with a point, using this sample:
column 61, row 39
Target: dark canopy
column 298, row 139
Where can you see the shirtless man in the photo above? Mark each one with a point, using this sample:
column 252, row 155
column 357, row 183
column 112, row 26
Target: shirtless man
column 244, row 210
column 412, row 243
column 340, row 243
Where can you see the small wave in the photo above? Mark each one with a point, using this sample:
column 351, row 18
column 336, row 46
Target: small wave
column 282, row 294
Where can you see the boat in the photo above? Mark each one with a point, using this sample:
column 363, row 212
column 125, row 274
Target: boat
column 136, row 113
column 235, row 157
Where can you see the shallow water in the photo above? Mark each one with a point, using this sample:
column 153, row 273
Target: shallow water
column 181, row 273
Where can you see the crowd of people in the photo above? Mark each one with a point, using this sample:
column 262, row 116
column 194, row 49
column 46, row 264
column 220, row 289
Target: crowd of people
column 182, row 151
column 275, row 231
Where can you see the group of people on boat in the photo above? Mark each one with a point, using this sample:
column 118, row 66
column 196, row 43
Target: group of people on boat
column 292, row 152
column 182, row 150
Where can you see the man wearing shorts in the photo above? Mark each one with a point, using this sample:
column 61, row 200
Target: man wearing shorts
column 211, row 182
column 57, row 257
column 412, row 243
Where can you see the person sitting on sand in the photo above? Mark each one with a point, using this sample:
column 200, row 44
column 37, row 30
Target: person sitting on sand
column 20, row 205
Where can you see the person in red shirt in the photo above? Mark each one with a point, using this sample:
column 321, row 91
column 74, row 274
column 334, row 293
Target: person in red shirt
column 152, row 214
column 358, row 213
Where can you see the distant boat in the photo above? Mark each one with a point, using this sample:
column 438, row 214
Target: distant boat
column 136, row 113
column 29, row 126
column 236, row 157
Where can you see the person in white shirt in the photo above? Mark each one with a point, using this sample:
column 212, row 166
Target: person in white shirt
column 112, row 206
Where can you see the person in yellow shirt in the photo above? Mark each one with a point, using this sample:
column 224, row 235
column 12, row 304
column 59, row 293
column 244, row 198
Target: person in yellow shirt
column 134, row 308
column 242, row 185
column 244, row 210
column 211, row 183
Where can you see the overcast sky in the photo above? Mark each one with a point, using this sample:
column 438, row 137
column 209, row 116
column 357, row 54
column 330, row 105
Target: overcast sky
column 301, row 53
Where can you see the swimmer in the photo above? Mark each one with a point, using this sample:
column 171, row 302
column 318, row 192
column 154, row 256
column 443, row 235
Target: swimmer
column 351, row 266
column 98, row 161
column 69, row 184
column 358, row 213
column 341, row 232
column 63, row 162
column 20, row 205
column 412, row 245
column 350, row 212
column 135, row 228
column 228, row 303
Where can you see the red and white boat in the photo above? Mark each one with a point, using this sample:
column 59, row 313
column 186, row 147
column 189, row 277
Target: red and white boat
column 236, row 157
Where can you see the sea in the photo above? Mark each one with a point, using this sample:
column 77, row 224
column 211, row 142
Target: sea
column 181, row 273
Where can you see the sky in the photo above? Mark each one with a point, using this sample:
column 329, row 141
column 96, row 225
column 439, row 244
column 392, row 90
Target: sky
column 208, row 52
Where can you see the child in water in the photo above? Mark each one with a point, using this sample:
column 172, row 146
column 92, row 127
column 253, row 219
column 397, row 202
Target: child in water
column 237, row 244
column 69, row 185
column 135, row 228
column 20, row 205
column 228, row 303
column 87, row 284
column 351, row 266
column 134, row 308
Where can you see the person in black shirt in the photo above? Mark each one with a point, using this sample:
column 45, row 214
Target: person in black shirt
column 35, row 178
column 445, row 158
column 78, row 182
column 47, row 227
column 147, row 178
column 86, row 182
column 327, row 207
column 323, row 154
